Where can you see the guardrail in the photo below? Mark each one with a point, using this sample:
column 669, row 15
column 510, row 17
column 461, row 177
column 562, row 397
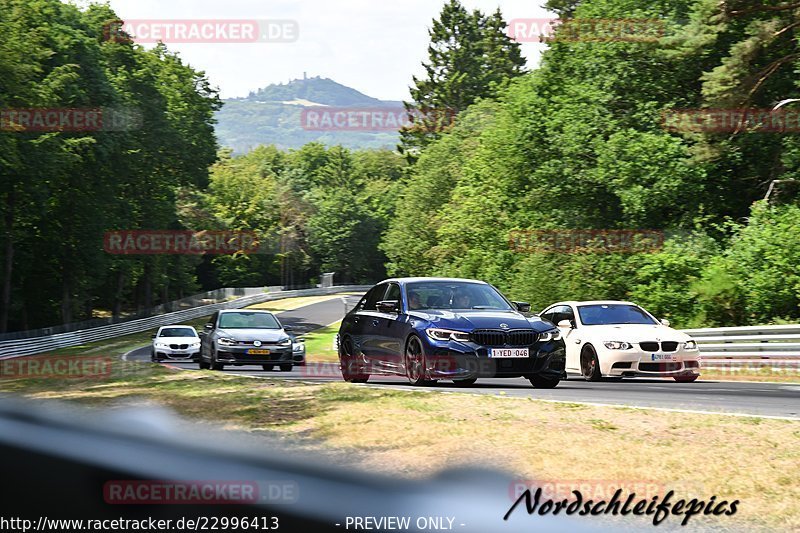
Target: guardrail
column 773, row 346
column 23, row 347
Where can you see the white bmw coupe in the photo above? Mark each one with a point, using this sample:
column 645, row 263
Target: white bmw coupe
column 620, row 339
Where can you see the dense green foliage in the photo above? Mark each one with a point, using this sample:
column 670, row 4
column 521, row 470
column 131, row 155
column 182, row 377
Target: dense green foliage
column 470, row 56
column 576, row 144
column 318, row 210
column 60, row 191
column 579, row 144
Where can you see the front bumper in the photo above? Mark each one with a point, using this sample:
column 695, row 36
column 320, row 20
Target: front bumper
column 457, row 360
column 638, row 363
column 164, row 354
column 239, row 356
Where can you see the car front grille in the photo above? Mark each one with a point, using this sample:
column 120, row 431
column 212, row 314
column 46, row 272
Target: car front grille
column 497, row 337
column 179, row 346
column 659, row 367
column 264, row 344
column 653, row 346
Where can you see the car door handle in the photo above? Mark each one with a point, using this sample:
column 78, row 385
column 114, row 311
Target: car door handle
column 375, row 323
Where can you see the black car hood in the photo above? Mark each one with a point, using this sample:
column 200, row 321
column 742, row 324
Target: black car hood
column 480, row 319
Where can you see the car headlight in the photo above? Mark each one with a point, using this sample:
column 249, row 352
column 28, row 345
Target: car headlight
column 447, row 334
column 552, row 335
column 195, row 345
column 690, row 345
column 161, row 345
column 618, row 345
column 227, row 342
column 285, row 342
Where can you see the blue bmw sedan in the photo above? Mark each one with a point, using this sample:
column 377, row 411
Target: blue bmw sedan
column 431, row 329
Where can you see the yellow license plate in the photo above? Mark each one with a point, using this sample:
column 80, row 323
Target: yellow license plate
column 258, row 352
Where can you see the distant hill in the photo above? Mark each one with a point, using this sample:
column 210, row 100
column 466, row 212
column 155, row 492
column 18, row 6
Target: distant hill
column 278, row 114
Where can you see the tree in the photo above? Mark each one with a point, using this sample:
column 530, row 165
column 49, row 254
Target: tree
column 470, row 56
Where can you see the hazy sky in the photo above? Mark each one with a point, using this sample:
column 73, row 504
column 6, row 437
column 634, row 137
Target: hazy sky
column 374, row 46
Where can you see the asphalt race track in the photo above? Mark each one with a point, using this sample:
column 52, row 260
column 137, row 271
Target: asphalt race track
column 780, row 400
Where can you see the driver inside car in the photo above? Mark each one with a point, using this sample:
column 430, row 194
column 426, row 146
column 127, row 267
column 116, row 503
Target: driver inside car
column 462, row 301
column 414, row 301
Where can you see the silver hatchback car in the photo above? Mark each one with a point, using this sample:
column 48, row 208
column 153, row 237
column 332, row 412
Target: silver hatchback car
column 246, row 337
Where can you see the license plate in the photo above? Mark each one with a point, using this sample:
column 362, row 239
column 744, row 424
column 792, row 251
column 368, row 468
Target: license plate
column 258, row 352
column 661, row 357
column 509, row 353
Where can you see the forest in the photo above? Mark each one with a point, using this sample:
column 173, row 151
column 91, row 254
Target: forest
column 578, row 142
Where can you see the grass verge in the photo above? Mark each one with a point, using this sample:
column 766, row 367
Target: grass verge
column 319, row 344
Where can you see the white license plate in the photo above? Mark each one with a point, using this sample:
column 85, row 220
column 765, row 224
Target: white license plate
column 661, row 357
column 509, row 353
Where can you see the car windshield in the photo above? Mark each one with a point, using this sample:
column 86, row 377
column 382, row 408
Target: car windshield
column 248, row 321
column 177, row 332
column 454, row 295
column 601, row 314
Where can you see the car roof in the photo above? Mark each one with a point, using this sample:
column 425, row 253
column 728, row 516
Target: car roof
column 177, row 326
column 593, row 302
column 422, row 279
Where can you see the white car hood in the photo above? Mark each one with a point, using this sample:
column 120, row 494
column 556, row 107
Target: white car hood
column 634, row 333
column 176, row 340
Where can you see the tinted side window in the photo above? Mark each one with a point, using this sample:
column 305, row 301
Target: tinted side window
column 374, row 296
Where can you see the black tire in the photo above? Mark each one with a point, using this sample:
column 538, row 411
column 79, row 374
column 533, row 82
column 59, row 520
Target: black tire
column 468, row 382
column 351, row 372
column 203, row 364
column 686, row 379
column 268, row 368
column 287, row 368
column 415, row 363
column 214, row 364
column 541, row 382
column 590, row 366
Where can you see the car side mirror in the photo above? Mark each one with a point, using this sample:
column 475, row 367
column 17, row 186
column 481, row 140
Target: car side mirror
column 153, row 336
column 522, row 307
column 288, row 328
column 209, row 325
column 665, row 322
column 389, row 306
column 565, row 324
